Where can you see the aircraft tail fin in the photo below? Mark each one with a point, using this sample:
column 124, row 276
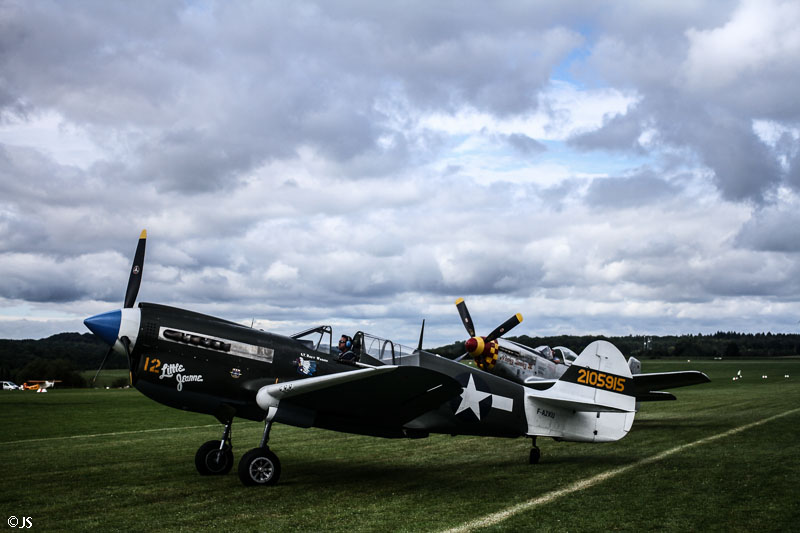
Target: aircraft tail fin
column 594, row 400
column 600, row 376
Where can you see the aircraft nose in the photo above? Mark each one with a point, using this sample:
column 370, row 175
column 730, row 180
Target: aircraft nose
column 105, row 325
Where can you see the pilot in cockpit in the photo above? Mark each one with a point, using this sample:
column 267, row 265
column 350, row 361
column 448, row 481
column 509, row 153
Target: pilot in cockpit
column 346, row 353
column 546, row 351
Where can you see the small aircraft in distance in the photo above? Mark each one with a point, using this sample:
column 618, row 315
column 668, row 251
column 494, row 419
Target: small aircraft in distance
column 371, row 385
column 39, row 385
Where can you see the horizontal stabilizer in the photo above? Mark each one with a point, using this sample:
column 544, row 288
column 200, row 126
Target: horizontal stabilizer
column 579, row 404
column 655, row 396
column 648, row 387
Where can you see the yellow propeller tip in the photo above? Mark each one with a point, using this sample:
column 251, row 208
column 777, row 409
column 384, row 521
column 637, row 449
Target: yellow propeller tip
column 519, row 317
column 459, row 301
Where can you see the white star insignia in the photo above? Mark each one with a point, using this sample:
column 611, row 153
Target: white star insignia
column 471, row 397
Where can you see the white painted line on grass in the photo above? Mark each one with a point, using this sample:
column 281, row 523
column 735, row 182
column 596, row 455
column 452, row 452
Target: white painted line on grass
column 107, row 434
column 494, row 518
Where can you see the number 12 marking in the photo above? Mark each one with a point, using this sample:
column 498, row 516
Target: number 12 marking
column 152, row 365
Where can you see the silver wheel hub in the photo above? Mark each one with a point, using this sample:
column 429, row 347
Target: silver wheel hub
column 261, row 469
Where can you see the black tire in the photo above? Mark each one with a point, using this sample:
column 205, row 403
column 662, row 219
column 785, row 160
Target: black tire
column 259, row 467
column 535, row 455
column 211, row 461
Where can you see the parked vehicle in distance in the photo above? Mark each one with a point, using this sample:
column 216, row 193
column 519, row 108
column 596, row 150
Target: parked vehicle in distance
column 9, row 385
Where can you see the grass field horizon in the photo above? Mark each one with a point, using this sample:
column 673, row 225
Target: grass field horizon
column 89, row 459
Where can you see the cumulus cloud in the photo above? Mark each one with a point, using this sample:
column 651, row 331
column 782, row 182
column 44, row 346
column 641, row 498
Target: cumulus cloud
column 525, row 144
column 701, row 88
column 759, row 38
column 772, row 230
column 619, row 132
column 631, row 191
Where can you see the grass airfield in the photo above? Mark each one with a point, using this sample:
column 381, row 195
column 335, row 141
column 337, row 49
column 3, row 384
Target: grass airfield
column 77, row 460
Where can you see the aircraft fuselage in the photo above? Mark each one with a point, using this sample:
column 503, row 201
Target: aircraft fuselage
column 204, row 364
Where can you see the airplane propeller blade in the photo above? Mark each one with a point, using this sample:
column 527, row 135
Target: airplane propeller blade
column 135, row 278
column 504, row 328
column 465, row 318
column 102, row 364
column 421, row 333
column 126, row 344
column 106, row 325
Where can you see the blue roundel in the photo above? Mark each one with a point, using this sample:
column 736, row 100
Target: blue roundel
column 105, row 325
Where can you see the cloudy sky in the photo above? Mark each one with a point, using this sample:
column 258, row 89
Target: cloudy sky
column 600, row 167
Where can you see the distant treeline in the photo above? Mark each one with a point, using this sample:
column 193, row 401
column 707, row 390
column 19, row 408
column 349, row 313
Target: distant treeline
column 720, row 344
column 65, row 355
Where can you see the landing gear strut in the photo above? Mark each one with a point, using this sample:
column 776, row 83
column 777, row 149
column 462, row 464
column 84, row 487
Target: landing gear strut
column 260, row 466
column 215, row 457
column 535, row 453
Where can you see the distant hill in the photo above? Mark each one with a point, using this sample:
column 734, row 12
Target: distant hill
column 60, row 356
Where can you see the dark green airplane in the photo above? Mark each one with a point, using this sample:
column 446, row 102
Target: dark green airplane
column 368, row 386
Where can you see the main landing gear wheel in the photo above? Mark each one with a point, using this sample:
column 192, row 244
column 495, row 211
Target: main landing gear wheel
column 259, row 466
column 210, row 460
column 535, row 455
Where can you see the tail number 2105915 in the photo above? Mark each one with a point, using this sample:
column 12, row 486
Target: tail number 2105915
column 601, row 380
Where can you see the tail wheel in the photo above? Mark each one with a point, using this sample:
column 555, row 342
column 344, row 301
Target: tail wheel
column 259, row 466
column 534, row 456
column 211, row 461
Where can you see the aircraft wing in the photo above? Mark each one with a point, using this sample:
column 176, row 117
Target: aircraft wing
column 383, row 396
column 648, row 386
